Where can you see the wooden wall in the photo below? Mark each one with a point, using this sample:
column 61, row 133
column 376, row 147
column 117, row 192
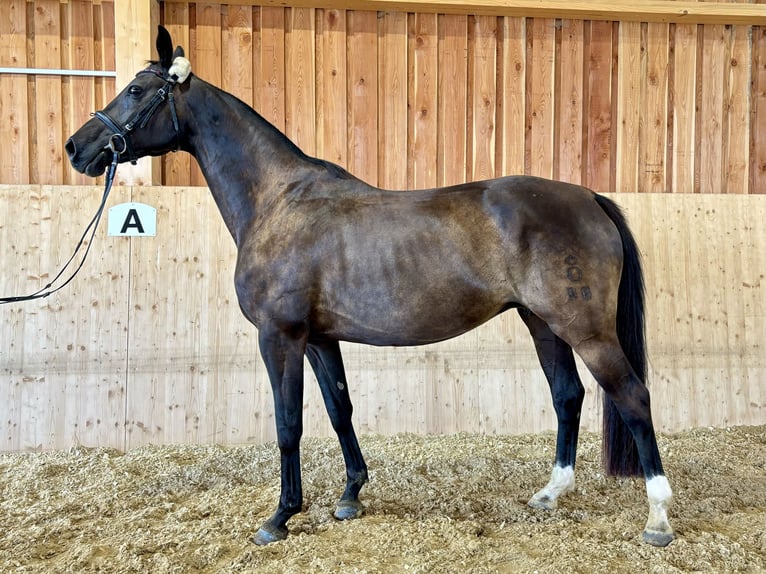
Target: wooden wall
column 148, row 345
column 38, row 112
column 419, row 99
column 415, row 99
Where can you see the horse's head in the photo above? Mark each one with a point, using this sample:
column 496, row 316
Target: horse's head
column 142, row 120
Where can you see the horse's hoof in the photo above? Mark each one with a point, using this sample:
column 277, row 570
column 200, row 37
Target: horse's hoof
column 348, row 509
column 267, row 534
column 542, row 502
column 657, row 538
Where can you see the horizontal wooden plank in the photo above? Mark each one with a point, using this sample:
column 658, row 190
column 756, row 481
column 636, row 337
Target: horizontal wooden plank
column 683, row 12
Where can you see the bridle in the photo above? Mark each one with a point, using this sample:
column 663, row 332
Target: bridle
column 119, row 144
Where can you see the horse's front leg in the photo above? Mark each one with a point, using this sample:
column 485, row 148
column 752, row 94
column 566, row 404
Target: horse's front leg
column 327, row 362
column 282, row 352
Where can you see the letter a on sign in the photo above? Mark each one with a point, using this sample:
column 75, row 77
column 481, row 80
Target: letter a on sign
column 132, row 220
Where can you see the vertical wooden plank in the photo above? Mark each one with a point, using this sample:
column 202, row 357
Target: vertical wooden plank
column 738, row 106
column 599, row 105
column 653, row 129
column 14, row 112
column 571, row 103
column 511, row 94
column 541, row 48
column 452, row 94
column 482, row 96
column 81, row 100
column 177, row 166
column 628, row 106
column 300, row 108
column 135, row 34
column 710, row 120
column 271, row 100
column 392, row 102
column 362, row 58
column 422, row 80
column 683, row 101
column 237, row 52
column 49, row 164
column 206, row 59
column 332, row 136
column 104, row 51
column 758, row 111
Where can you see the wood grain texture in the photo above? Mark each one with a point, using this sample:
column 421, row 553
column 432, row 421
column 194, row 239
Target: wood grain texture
column 511, row 97
column 176, row 167
column 683, row 11
column 125, row 357
column 545, row 100
column 363, row 93
column 78, row 91
column 14, row 108
column 758, row 111
column 135, row 32
column 598, row 115
column 452, row 94
column 482, row 96
column 422, row 57
column 392, row 104
column 48, row 161
column 571, row 95
column 332, row 70
column 652, row 133
column 629, row 97
column 540, row 79
column 300, row 111
column 683, row 108
column 710, row 119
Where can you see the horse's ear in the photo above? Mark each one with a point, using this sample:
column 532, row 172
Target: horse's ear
column 179, row 51
column 164, row 47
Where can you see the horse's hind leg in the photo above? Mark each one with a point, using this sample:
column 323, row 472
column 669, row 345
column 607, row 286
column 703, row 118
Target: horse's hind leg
column 326, row 360
column 557, row 361
column 606, row 360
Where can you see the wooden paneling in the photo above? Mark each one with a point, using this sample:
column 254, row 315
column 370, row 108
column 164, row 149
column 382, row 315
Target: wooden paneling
column 422, row 55
column 14, row 108
column 62, row 365
column 627, row 10
column 37, row 112
column 125, row 356
column 148, row 344
column 417, row 99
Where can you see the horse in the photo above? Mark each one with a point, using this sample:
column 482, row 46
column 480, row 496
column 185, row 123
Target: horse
column 323, row 257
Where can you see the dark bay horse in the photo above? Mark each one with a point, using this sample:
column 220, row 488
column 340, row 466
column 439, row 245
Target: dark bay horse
column 324, row 257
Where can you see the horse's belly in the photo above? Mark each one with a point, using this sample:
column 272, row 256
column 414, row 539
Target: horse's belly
column 403, row 318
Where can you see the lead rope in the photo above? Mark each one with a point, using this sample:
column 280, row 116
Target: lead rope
column 92, row 226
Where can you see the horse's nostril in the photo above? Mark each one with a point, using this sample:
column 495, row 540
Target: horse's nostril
column 70, row 148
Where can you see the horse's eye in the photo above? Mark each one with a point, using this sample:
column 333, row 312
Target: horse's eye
column 135, row 90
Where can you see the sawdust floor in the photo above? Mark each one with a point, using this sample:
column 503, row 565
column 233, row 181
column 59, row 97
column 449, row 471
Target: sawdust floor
column 434, row 504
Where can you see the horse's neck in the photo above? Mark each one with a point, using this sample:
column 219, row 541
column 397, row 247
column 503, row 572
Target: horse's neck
column 245, row 161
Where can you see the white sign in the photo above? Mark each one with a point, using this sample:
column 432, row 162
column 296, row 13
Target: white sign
column 132, row 220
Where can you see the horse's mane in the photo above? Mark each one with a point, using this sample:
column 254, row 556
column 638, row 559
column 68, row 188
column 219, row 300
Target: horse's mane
column 332, row 168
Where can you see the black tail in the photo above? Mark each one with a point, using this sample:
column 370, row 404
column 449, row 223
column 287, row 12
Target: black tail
column 619, row 452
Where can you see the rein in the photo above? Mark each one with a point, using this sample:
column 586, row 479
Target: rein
column 119, row 144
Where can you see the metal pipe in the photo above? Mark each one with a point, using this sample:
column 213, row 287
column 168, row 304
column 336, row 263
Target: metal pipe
column 54, row 72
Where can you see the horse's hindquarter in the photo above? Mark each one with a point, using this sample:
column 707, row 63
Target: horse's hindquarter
column 406, row 268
